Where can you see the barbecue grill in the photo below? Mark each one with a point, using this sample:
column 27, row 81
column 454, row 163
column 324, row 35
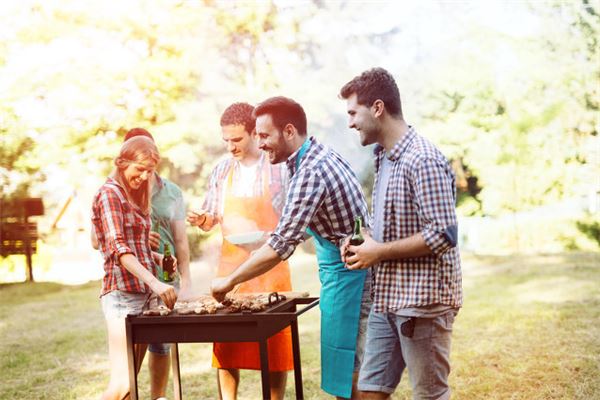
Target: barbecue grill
column 220, row 327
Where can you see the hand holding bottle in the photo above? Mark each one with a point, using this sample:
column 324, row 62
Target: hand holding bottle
column 354, row 240
column 359, row 251
column 361, row 256
column 169, row 264
column 159, row 259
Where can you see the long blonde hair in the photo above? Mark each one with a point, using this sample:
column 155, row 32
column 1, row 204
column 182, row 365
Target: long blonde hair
column 139, row 150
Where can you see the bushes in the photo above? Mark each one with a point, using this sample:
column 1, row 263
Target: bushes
column 590, row 229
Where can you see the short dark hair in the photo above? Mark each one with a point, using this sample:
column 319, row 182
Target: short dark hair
column 137, row 132
column 374, row 84
column 239, row 114
column 283, row 111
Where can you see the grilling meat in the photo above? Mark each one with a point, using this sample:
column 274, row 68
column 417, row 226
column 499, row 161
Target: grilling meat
column 232, row 304
column 160, row 310
column 251, row 302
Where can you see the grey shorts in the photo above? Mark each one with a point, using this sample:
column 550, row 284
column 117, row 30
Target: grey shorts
column 118, row 304
column 426, row 355
column 365, row 309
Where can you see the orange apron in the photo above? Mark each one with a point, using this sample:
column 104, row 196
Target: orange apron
column 245, row 214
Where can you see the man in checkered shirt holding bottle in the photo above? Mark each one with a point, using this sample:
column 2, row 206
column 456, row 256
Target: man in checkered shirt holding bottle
column 412, row 249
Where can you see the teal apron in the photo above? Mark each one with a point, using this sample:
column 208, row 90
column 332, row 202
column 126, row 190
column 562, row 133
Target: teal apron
column 341, row 296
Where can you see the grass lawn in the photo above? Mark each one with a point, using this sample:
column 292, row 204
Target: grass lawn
column 529, row 329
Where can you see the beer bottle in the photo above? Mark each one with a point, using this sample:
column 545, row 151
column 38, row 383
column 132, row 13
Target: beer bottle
column 357, row 237
column 168, row 265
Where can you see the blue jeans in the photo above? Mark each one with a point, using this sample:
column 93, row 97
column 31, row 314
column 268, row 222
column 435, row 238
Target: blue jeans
column 426, row 354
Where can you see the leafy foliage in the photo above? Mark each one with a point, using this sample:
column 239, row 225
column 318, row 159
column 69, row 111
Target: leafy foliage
column 514, row 105
column 525, row 131
column 591, row 229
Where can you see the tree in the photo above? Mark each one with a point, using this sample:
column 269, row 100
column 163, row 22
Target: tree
column 525, row 131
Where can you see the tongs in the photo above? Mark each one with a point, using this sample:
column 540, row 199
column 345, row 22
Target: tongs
column 161, row 308
column 275, row 298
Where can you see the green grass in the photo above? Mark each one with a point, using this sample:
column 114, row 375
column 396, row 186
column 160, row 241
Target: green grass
column 529, row 329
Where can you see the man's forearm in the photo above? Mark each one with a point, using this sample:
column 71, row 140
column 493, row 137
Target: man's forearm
column 183, row 262
column 182, row 250
column 412, row 246
column 261, row 261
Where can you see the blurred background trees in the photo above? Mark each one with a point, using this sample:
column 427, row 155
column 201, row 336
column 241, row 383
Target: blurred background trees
column 509, row 91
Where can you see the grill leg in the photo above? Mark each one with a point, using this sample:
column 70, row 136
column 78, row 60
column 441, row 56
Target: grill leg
column 133, row 389
column 176, row 376
column 297, row 363
column 264, row 369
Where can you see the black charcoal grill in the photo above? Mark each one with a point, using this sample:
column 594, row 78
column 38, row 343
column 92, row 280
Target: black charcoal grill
column 220, row 327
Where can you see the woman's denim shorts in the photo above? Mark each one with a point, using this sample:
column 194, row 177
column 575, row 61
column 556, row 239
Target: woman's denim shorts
column 118, row 304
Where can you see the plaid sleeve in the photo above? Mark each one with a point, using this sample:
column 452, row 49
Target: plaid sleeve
column 212, row 198
column 435, row 194
column 306, row 193
column 111, row 212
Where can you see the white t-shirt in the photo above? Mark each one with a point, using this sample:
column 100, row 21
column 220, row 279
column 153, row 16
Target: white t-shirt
column 244, row 185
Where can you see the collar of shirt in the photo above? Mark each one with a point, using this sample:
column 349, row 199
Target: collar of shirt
column 398, row 149
column 124, row 193
column 237, row 164
column 158, row 184
column 116, row 183
column 291, row 161
column 231, row 163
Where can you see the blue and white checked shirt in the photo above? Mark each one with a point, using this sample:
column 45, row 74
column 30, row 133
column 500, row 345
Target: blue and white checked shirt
column 420, row 198
column 324, row 194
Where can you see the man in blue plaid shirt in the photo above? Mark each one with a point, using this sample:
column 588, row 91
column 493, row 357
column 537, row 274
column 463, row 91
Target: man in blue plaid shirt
column 324, row 198
column 412, row 249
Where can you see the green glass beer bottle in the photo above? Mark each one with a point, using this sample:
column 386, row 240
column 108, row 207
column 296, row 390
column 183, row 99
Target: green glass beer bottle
column 168, row 265
column 357, row 237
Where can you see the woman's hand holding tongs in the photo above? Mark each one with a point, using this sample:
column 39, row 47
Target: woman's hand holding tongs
column 166, row 293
